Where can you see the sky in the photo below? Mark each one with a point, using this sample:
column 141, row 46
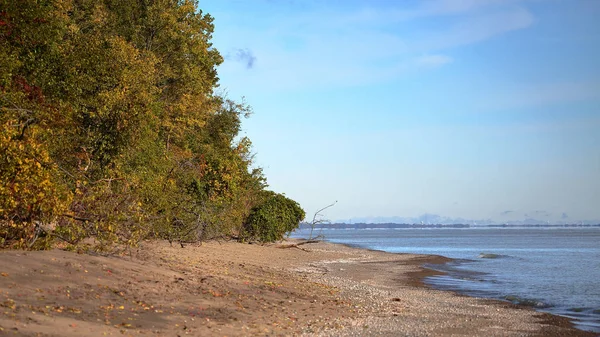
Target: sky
column 473, row 109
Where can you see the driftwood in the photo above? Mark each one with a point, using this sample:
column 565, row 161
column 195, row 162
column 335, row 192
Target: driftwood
column 298, row 244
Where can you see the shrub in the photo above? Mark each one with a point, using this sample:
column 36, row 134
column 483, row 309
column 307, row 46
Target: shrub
column 270, row 220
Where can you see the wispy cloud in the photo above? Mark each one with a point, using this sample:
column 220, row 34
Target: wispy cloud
column 424, row 10
column 356, row 45
column 449, row 7
column 431, row 61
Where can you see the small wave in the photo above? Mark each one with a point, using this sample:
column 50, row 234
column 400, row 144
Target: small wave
column 529, row 302
column 582, row 312
column 491, row 256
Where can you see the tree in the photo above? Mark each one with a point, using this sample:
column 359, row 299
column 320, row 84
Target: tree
column 111, row 127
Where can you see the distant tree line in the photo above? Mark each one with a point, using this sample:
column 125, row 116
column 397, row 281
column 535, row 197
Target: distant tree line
column 111, row 129
column 308, row 226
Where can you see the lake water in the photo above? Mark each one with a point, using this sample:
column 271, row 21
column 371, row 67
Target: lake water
column 554, row 269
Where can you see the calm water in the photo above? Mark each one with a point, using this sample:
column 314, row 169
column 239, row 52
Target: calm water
column 556, row 270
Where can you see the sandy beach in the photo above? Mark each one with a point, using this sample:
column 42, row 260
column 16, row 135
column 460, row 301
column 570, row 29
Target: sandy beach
column 234, row 289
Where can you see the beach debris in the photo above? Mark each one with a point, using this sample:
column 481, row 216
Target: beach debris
column 298, row 244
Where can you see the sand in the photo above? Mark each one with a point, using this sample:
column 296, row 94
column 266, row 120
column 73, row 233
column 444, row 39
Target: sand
column 234, row 289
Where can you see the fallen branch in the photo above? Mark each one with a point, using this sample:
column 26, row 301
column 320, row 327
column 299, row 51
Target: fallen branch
column 40, row 231
column 298, row 244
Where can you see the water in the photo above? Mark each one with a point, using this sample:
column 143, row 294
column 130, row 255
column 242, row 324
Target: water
column 555, row 270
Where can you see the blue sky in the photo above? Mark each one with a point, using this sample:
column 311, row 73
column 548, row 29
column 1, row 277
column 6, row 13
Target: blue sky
column 480, row 109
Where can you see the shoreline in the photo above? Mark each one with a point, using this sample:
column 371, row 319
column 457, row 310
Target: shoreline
column 551, row 324
column 553, row 315
column 433, row 260
column 232, row 289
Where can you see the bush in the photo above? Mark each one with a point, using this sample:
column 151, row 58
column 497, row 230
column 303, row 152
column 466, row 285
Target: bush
column 275, row 217
column 29, row 193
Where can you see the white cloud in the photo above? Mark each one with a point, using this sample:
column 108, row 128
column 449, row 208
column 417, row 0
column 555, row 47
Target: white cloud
column 431, row 61
column 449, row 7
column 473, row 29
column 362, row 45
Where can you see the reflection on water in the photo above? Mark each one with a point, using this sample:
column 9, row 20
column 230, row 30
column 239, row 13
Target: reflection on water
column 556, row 270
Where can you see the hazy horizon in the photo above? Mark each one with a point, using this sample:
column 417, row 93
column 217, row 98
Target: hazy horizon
column 435, row 219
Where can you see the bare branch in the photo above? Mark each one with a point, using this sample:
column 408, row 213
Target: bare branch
column 315, row 221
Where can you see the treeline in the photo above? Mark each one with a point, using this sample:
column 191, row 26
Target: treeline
column 111, row 129
column 389, row 225
column 360, row 225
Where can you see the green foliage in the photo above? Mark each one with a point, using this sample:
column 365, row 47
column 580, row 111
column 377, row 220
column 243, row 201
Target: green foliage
column 111, row 130
column 273, row 218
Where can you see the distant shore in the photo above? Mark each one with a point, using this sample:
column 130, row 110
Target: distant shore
column 233, row 289
column 395, row 225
